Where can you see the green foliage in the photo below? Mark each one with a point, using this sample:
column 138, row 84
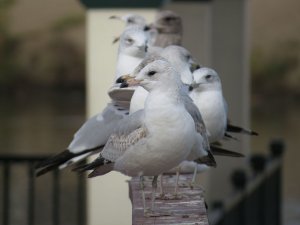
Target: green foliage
column 67, row 22
column 272, row 70
column 276, row 78
column 41, row 58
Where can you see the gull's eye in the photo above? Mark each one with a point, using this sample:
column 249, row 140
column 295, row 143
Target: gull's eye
column 169, row 18
column 208, row 77
column 129, row 41
column 130, row 20
column 151, row 73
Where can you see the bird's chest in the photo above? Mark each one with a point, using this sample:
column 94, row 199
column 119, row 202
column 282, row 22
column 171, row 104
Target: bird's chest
column 212, row 109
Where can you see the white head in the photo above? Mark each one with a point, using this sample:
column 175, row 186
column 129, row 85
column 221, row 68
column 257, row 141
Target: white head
column 133, row 42
column 181, row 60
column 206, row 79
column 131, row 19
column 156, row 73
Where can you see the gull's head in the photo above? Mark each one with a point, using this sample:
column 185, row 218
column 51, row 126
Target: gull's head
column 133, row 42
column 182, row 61
column 131, row 19
column 154, row 73
column 206, row 79
column 168, row 22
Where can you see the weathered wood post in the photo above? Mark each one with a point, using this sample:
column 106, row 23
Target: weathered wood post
column 187, row 209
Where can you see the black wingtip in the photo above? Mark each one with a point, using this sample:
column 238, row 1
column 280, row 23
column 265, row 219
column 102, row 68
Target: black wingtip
column 61, row 157
column 224, row 152
column 237, row 129
column 230, row 137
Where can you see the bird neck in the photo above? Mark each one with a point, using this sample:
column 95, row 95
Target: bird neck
column 126, row 64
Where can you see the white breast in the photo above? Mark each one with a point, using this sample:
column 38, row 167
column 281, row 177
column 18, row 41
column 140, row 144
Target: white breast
column 170, row 140
column 138, row 100
column 212, row 109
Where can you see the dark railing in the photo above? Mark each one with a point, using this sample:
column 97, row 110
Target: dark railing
column 9, row 162
column 256, row 200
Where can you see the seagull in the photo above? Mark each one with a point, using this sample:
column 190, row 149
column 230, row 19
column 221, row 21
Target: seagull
column 181, row 60
column 94, row 133
column 168, row 25
column 132, row 50
column 152, row 141
column 131, row 19
column 206, row 92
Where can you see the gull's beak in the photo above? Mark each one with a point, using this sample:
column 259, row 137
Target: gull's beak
column 129, row 81
column 194, row 66
column 123, row 78
column 116, row 39
column 193, row 85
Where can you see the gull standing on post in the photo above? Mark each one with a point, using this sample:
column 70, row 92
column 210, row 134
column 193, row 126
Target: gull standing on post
column 206, row 92
column 181, row 60
column 131, row 19
column 158, row 138
column 168, row 25
column 95, row 132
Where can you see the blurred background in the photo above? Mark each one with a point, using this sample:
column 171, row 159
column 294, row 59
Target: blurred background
column 42, row 84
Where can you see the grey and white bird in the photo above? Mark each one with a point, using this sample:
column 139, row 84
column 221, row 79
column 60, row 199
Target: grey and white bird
column 206, row 92
column 132, row 50
column 158, row 138
column 94, row 133
column 169, row 29
column 181, row 60
column 131, row 19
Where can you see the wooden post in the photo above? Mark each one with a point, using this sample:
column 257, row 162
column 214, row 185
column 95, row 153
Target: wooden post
column 188, row 209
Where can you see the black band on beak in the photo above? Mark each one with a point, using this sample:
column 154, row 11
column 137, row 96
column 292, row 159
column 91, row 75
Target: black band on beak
column 120, row 80
column 190, row 88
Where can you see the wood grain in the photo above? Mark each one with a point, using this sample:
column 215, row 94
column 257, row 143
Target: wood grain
column 188, row 210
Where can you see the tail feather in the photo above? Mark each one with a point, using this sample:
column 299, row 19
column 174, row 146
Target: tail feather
column 230, row 136
column 101, row 170
column 224, row 152
column 100, row 166
column 100, row 161
column 208, row 160
column 59, row 159
column 236, row 129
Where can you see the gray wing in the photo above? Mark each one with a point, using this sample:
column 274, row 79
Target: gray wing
column 96, row 131
column 129, row 131
column 201, row 129
column 196, row 115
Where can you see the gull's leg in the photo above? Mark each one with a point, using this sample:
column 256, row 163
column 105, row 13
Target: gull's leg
column 154, row 187
column 177, row 181
column 194, row 177
column 152, row 213
column 161, row 186
column 142, row 186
